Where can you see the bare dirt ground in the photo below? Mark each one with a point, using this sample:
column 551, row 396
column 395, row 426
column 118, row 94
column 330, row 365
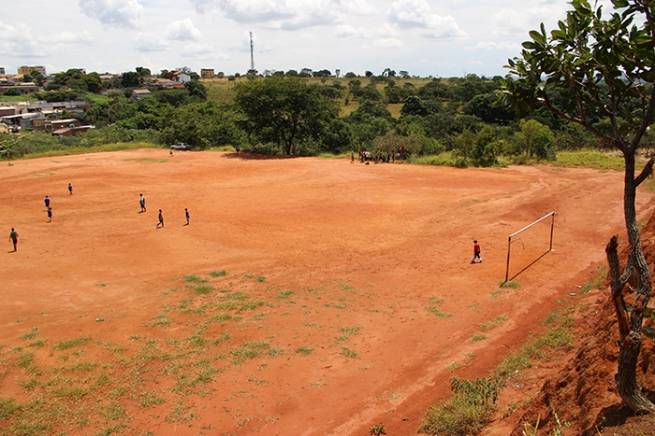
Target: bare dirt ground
column 342, row 295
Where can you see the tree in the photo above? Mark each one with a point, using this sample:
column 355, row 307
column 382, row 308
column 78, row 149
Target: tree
column 130, row 79
column 489, row 108
column 143, row 72
column 535, row 139
column 196, row 89
column 285, row 110
column 414, row 106
column 596, row 70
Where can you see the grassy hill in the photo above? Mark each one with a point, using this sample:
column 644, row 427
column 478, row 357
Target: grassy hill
column 222, row 91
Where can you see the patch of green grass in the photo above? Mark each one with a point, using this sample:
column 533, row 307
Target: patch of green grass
column 113, row 412
column 72, row 343
column 255, row 277
column 150, row 399
column 202, row 289
column 285, row 294
column 474, row 401
column 304, row 350
column 595, row 159
column 346, row 287
column 218, row 273
column 597, row 281
column 192, row 278
column 509, row 285
column 180, row 414
column 161, row 320
column 442, row 159
column 70, row 392
column 8, row 407
column 493, row 323
column 478, row 338
column 470, row 407
column 32, row 334
column 348, row 332
column 37, row 344
column 350, row 354
column 25, row 360
column 83, row 367
column 434, row 309
column 29, row 385
column 252, row 350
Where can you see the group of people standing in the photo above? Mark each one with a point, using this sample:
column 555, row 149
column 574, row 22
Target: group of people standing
column 13, row 234
column 160, row 214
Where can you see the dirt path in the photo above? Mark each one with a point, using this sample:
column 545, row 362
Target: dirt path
column 377, row 254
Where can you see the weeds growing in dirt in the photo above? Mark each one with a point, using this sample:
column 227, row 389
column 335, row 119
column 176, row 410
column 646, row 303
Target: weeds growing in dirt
column 192, row 278
column 32, row 334
column 348, row 332
column 304, row 350
column 597, row 281
column 377, row 430
column 347, row 352
column 218, row 273
column 72, row 343
column 434, row 309
column 474, row 401
column 493, row 323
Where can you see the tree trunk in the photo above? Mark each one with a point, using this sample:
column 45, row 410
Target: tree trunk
column 630, row 323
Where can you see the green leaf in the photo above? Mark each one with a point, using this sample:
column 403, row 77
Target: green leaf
column 538, row 37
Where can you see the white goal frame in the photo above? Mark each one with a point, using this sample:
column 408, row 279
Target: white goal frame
column 550, row 215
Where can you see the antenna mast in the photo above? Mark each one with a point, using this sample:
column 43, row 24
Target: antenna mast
column 252, row 53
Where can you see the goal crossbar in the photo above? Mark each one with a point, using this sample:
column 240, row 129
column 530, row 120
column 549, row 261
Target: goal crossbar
column 528, row 227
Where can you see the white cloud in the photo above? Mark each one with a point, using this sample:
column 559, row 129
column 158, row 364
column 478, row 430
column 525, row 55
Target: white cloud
column 183, row 30
column 147, row 43
column 286, row 14
column 67, row 37
column 18, row 41
column 113, row 13
column 418, row 14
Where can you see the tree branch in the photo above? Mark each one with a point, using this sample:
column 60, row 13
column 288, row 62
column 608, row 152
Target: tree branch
column 646, row 172
column 557, row 111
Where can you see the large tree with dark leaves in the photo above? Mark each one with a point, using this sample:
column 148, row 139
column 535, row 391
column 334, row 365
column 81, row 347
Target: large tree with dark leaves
column 597, row 70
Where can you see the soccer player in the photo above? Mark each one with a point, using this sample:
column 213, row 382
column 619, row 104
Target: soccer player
column 187, row 216
column 142, row 203
column 13, row 235
column 70, row 188
column 160, row 219
column 477, row 253
column 46, row 201
column 49, row 214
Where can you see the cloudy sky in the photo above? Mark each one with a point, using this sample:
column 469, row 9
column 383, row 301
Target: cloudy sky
column 424, row 37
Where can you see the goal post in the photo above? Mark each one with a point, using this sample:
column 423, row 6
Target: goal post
column 544, row 229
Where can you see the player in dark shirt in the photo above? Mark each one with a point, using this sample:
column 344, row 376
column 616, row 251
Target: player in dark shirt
column 13, row 235
column 160, row 218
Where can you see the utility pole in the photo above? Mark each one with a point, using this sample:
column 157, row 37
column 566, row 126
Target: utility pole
column 252, row 53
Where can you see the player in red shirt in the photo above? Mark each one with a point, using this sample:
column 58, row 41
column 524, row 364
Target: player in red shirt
column 477, row 256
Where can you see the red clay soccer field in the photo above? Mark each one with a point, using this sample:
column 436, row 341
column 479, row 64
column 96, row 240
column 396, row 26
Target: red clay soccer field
column 308, row 296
